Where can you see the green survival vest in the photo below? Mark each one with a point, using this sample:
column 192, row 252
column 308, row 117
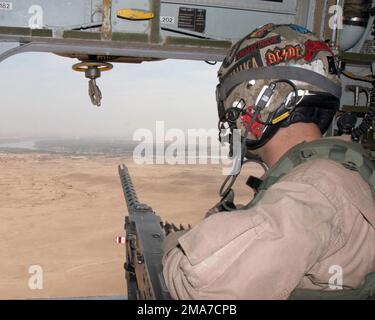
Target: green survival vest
column 353, row 157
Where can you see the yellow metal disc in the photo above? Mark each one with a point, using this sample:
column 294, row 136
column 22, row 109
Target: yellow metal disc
column 135, row 14
column 83, row 66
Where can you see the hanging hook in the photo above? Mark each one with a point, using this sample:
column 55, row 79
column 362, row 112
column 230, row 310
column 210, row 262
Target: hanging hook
column 93, row 70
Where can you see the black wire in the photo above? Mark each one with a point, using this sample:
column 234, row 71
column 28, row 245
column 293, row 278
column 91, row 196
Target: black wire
column 224, row 192
column 294, row 104
column 367, row 122
column 89, row 27
column 211, row 63
column 236, row 109
column 258, row 161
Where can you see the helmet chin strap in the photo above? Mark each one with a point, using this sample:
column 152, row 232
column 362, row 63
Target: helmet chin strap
column 266, row 137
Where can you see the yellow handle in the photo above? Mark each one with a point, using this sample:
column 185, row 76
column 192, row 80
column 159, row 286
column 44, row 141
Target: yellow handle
column 135, row 14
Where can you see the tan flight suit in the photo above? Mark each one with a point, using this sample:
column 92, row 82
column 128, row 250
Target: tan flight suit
column 317, row 218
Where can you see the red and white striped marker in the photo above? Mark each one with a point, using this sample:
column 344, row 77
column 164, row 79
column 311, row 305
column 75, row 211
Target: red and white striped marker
column 120, row 240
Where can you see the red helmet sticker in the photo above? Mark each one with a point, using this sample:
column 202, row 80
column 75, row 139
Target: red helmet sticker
column 262, row 32
column 257, row 46
column 313, row 48
column 256, row 128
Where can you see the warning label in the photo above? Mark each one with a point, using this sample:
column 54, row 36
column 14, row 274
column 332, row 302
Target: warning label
column 192, row 19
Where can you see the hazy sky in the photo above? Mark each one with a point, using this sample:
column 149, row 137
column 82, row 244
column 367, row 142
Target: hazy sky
column 41, row 96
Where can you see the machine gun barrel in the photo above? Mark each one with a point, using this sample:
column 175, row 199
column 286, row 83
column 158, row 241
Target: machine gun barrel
column 144, row 250
column 130, row 194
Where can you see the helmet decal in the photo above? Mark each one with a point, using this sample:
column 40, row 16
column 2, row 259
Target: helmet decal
column 313, row 48
column 253, row 60
column 230, row 57
column 286, row 54
column 262, row 31
column 299, row 29
column 257, row 46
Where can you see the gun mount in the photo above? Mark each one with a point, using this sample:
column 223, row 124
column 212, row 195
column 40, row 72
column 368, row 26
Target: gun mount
column 144, row 252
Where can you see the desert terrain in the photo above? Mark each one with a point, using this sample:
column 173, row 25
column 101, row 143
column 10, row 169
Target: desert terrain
column 63, row 213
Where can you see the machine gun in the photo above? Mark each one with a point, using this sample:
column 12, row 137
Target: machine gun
column 144, row 252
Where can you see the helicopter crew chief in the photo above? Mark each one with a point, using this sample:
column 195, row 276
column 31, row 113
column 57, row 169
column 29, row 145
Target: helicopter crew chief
column 314, row 209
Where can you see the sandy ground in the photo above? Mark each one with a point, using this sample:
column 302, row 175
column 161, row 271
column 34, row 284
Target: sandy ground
column 64, row 213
